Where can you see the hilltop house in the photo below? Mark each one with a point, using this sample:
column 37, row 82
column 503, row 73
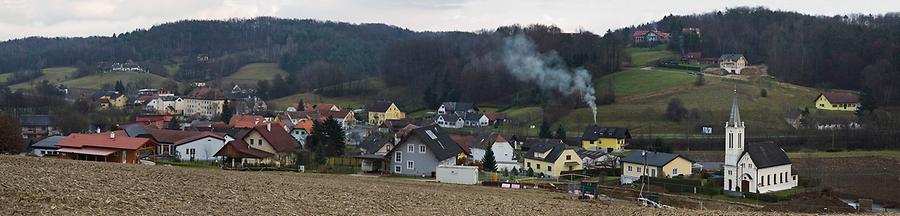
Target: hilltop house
column 46, row 147
column 421, row 151
column 259, row 145
column 648, row 37
column 653, row 164
column 691, row 58
column 37, row 126
column 753, row 167
column 605, row 139
column 107, row 146
column 838, row 100
column 383, row 110
column 733, row 63
column 551, row 157
column 503, row 151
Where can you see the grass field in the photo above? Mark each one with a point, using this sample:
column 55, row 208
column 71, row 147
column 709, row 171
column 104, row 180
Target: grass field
column 284, row 102
column 256, row 72
column 5, row 76
column 54, row 74
column 647, row 56
column 638, row 81
column 845, row 154
column 97, row 81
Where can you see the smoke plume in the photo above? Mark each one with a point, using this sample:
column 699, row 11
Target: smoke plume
column 547, row 70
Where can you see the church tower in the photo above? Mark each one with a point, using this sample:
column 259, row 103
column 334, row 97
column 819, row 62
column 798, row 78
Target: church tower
column 734, row 146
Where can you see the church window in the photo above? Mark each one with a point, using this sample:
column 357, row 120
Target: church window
column 731, row 140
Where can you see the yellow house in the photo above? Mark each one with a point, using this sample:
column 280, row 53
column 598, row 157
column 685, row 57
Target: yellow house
column 605, row 139
column 654, row 164
column 384, row 110
column 839, row 100
column 551, row 157
column 112, row 100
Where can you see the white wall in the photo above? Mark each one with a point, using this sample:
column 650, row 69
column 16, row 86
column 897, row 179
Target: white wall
column 457, row 174
column 204, row 148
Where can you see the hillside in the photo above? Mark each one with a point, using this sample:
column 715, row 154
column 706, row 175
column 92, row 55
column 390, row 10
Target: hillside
column 97, row 81
column 118, row 189
column 252, row 73
column 53, row 74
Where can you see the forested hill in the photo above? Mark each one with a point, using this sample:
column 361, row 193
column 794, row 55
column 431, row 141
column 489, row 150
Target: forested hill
column 229, row 44
column 846, row 51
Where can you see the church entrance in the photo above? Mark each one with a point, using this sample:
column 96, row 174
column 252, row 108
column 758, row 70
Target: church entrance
column 745, row 186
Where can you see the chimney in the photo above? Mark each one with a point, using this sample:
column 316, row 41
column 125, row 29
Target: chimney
column 112, row 135
column 269, row 126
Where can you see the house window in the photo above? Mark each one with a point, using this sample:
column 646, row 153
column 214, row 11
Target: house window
column 674, row 171
column 421, row 148
column 538, row 166
column 410, row 164
column 529, row 164
column 397, row 169
column 410, row 148
column 251, row 141
column 653, row 172
column 639, row 169
column 568, row 157
column 549, row 168
column 398, row 157
column 629, row 168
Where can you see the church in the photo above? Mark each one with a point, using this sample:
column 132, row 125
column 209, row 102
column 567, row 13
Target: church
column 753, row 167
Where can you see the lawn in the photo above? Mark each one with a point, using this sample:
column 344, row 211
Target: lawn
column 638, row 81
column 648, row 56
column 256, row 72
column 54, row 74
column 97, row 81
column 845, row 154
column 284, row 102
column 421, row 113
column 5, row 76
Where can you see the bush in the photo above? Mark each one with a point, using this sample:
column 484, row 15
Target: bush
column 675, row 111
column 700, row 80
column 765, row 197
column 763, row 93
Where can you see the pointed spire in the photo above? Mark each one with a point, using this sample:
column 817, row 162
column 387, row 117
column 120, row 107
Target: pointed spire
column 735, row 118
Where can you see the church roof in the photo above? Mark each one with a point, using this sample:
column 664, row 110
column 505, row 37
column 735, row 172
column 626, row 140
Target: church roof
column 766, row 154
column 735, row 119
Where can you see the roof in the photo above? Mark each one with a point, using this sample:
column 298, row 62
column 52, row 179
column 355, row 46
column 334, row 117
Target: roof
column 584, row 153
column 136, row 130
column 379, row 106
column 280, row 140
column 534, row 142
column 841, row 97
column 731, row 57
column 466, row 142
column 766, row 154
column 206, row 94
column 48, row 143
column 555, row 150
column 495, row 115
column 735, row 118
column 450, row 117
column 305, row 124
column 240, row 149
column 658, row 159
column 437, row 141
column 372, row 143
column 103, row 140
column 473, row 116
column 488, row 141
column 200, row 135
column 34, row 120
column 595, row 132
column 459, row 106
column 88, row 151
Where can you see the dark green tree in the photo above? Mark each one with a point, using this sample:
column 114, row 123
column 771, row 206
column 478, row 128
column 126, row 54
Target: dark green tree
column 675, row 111
column 561, row 132
column 119, row 86
column 763, row 93
column 301, row 106
column 10, row 135
column 489, row 163
column 867, row 102
column 227, row 112
column 514, row 172
column 530, row 172
column 335, row 139
column 545, row 131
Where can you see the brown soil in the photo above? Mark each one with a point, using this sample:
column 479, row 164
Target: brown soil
column 46, row 186
column 871, row 177
column 813, row 202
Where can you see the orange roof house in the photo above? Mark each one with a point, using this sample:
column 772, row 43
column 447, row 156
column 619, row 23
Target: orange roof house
column 113, row 146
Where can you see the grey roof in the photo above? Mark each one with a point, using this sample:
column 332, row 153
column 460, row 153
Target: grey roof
column 136, row 130
column 584, row 153
column 34, row 120
column 372, row 143
column 657, row 159
column 735, row 118
column 459, row 106
column 473, row 116
column 535, row 142
column 595, row 132
column 379, row 106
column 731, row 57
column 48, row 143
column 766, row 154
column 555, row 149
column 450, row 117
column 437, row 141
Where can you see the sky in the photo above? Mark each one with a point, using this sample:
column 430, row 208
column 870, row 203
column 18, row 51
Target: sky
column 52, row 18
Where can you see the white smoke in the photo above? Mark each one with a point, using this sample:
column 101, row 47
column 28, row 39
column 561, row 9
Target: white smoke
column 547, row 70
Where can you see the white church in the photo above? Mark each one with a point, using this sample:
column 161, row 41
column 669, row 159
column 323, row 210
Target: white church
column 753, row 167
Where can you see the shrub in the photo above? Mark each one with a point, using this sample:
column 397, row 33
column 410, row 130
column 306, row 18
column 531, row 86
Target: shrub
column 675, row 111
column 763, row 93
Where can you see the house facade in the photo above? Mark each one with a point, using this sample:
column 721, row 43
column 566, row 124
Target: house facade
column 654, row 164
column 648, row 37
column 37, row 126
column 733, row 63
column 838, row 100
column 421, row 151
column 383, row 110
column 459, row 115
column 259, row 145
column 200, row 146
column 551, row 157
column 503, row 151
column 204, row 101
column 753, row 167
column 113, row 146
column 47, row 146
column 605, row 139
column 450, row 120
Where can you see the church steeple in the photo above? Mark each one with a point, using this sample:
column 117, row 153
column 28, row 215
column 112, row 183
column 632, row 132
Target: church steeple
column 735, row 119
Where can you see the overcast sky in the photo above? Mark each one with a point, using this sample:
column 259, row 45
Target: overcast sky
column 23, row 18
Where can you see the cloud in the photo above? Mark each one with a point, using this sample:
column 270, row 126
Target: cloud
column 22, row 18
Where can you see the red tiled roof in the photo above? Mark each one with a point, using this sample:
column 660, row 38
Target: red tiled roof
column 240, row 149
column 280, row 140
column 246, row 121
column 103, row 140
column 207, row 94
column 464, row 141
column 305, row 124
column 495, row 115
column 200, row 135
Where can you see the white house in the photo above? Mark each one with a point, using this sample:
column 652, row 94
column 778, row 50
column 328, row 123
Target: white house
column 46, row 147
column 200, row 147
column 733, row 63
column 450, row 120
column 451, row 114
column 503, row 151
column 753, row 167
